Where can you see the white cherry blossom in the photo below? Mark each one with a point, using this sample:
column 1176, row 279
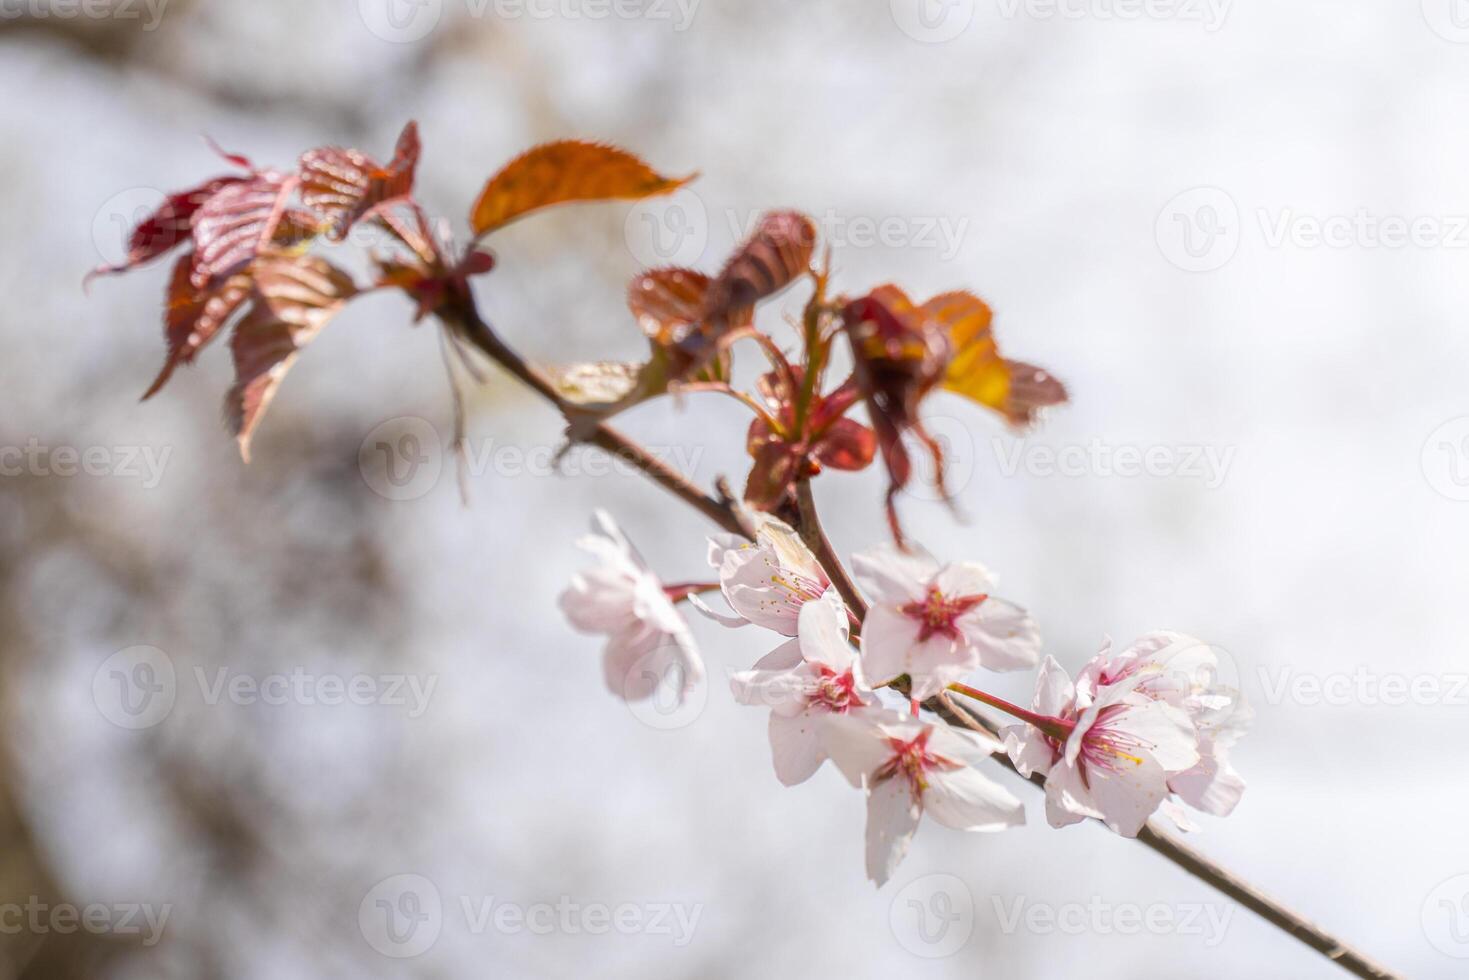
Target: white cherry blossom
column 1108, row 755
column 937, row 623
column 802, row 681
column 767, row 581
column 647, row 639
column 1182, row 671
column 909, row 767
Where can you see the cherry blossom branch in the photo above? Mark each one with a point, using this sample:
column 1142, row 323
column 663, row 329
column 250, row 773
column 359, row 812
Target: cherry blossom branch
column 815, row 537
column 463, row 317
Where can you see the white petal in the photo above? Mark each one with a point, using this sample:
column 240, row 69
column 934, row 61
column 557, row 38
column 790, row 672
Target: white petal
column 963, row 744
column 1212, row 786
column 796, row 746
column 1004, row 635
column 936, row 663
column 964, row 578
column 1067, row 798
column 889, row 575
column 636, row 664
column 886, row 637
column 1167, row 730
column 1053, row 690
column 965, row 800
column 734, row 622
column 1028, row 749
column 1127, row 795
column 892, row 817
column 823, row 629
column 857, row 743
column 1178, row 815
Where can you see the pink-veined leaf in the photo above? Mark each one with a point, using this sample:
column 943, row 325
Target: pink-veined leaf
column 667, row 303
column 293, row 300
column 166, row 228
column 348, row 185
column 238, row 223
column 775, row 255
column 194, row 316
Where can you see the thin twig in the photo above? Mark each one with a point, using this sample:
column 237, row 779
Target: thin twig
column 723, row 511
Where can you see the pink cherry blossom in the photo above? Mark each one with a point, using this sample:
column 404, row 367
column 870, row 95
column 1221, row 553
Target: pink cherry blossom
column 910, row 767
column 802, row 681
column 647, row 639
column 937, row 623
column 767, row 581
column 1182, row 671
column 1108, row 756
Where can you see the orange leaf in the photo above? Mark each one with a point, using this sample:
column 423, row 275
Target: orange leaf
column 977, row 371
column 561, row 172
column 293, row 300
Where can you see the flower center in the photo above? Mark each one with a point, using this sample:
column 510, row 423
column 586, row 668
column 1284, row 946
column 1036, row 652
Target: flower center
column 937, row 613
column 1111, row 749
column 912, row 761
column 835, row 692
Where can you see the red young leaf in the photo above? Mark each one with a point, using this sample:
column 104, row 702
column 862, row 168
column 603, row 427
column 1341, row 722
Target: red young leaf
column 847, row 445
column 166, row 228
column 774, row 256
column 667, row 303
column 562, row 172
column 237, row 223
column 194, row 316
column 294, row 299
column 348, row 185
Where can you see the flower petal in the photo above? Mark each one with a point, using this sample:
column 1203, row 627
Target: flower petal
column 796, row 746
column 892, row 817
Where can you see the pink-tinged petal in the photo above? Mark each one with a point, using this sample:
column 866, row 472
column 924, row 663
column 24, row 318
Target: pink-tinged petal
column 858, row 743
column 892, row 817
column 1067, row 798
column 1178, row 815
column 1003, row 634
column 703, row 608
column 1029, row 750
column 963, row 745
column 599, row 601
column 964, row 578
column 603, row 524
column 796, row 746
column 1213, row 786
column 823, row 630
column 1128, row 793
column 784, row 657
column 963, row 799
column 886, row 637
column 720, row 545
column 786, row 692
column 1165, row 731
column 936, row 663
column 889, row 575
column 1054, row 692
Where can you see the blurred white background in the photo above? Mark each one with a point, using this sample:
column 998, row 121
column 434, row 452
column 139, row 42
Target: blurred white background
column 1134, row 189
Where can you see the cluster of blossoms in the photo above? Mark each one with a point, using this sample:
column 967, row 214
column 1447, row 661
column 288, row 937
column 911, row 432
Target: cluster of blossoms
column 1135, row 733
